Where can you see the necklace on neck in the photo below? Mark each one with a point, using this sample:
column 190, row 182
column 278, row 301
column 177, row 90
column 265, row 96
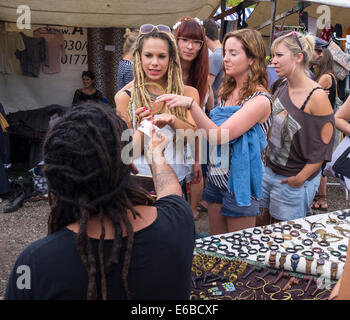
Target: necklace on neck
column 155, row 96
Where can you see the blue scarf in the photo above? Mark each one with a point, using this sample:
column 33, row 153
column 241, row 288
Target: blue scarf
column 245, row 177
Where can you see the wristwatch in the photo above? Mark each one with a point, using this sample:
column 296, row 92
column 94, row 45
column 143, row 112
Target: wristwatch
column 309, row 261
column 334, row 270
column 319, row 267
column 283, row 260
column 294, row 260
column 272, row 258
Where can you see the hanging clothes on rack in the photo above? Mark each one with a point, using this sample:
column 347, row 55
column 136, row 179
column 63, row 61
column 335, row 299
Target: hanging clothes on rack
column 32, row 56
column 10, row 42
column 54, row 48
column 327, row 32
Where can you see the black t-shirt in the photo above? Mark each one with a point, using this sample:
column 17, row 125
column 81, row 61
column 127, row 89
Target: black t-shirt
column 80, row 96
column 160, row 265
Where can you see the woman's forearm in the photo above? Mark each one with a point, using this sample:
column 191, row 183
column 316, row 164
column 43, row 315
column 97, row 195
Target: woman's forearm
column 164, row 178
column 308, row 170
column 342, row 125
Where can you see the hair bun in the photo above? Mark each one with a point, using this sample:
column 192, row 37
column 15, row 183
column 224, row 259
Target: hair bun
column 127, row 33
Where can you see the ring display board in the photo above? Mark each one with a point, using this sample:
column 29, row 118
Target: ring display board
column 298, row 259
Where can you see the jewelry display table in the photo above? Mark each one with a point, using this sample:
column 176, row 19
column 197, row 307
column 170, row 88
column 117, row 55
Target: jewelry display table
column 299, row 259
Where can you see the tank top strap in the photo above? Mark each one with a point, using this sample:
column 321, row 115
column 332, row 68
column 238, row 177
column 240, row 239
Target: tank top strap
column 128, row 92
column 259, row 93
column 308, row 97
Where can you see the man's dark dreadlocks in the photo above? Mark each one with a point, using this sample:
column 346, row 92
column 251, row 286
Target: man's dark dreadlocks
column 87, row 177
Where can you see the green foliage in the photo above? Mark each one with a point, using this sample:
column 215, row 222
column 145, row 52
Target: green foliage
column 233, row 3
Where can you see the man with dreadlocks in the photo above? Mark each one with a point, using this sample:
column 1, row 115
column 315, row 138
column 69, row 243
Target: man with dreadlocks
column 157, row 70
column 107, row 238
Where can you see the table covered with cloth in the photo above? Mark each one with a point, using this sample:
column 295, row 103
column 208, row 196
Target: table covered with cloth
column 291, row 260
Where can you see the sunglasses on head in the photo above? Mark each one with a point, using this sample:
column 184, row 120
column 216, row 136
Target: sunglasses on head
column 148, row 28
column 296, row 38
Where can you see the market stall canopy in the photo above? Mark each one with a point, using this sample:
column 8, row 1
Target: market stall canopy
column 108, row 13
column 339, row 9
column 337, row 3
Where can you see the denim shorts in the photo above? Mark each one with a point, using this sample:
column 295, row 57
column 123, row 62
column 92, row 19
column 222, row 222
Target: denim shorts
column 285, row 202
column 214, row 194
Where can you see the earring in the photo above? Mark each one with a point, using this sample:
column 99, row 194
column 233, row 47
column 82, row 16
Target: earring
column 250, row 73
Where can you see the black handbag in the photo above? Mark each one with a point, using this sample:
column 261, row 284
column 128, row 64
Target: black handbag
column 339, row 166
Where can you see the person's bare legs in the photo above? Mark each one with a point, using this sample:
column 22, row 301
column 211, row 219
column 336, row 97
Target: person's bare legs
column 236, row 224
column 321, row 195
column 217, row 222
column 196, row 196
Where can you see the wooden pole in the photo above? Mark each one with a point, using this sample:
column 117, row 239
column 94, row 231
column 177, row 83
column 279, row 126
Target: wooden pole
column 223, row 9
column 272, row 26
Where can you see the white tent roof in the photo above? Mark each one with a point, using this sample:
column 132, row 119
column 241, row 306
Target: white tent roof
column 262, row 13
column 336, row 3
column 108, row 13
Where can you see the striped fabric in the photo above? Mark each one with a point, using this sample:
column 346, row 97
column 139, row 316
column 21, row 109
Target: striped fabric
column 234, row 16
column 218, row 176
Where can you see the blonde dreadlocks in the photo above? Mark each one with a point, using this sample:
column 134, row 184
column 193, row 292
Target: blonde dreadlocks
column 140, row 96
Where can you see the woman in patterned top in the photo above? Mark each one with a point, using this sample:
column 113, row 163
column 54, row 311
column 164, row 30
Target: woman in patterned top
column 245, row 116
column 125, row 67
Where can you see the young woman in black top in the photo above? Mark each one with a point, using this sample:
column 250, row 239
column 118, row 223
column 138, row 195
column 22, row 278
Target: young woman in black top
column 325, row 77
column 88, row 91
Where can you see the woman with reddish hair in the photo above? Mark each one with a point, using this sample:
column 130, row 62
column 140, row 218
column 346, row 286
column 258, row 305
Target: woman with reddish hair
column 194, row 57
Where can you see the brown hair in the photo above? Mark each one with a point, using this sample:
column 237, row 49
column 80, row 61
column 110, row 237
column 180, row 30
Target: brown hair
column 254, row 47
column 324, row 65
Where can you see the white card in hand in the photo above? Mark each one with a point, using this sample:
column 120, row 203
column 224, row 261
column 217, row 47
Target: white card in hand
column 146, row 127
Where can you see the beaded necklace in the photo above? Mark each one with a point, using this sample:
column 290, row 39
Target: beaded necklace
column 155, row 96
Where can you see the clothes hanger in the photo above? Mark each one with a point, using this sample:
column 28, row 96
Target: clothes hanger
column 47, row 30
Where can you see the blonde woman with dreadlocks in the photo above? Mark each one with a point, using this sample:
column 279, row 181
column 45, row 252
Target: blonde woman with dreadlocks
column 157, row 71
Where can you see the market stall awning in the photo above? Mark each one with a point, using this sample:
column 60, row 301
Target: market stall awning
column 108, row 13
column 336, row 3
column 262, row 13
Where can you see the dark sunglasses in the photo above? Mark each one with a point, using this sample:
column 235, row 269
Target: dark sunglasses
column 148, row 28
column 296, row 38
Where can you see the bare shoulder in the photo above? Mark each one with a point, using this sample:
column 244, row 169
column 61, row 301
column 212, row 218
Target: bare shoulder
column 325, row 81
column 326, row 76
column 260, row 100
column 257, row 108
column 191, row 92
column 319, row 103
column 260, row 104
column 121, row 98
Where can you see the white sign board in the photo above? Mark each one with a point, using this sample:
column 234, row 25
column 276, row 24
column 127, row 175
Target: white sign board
column 20, row 93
